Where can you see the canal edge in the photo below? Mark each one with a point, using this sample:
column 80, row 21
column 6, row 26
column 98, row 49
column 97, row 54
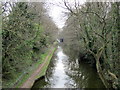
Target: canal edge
column 42, row 70
column 46, row 64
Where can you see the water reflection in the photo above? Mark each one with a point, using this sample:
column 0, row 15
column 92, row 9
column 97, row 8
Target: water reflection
column 59, row 77
column 66, row 73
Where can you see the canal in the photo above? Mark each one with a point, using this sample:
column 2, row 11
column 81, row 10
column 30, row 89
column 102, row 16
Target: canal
column 66, row 73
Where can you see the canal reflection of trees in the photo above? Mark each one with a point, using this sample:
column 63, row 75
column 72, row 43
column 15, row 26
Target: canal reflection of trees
column 71, row 51
column 51, row 67
column 82, row 74
column 79, row 75
column 44, row 82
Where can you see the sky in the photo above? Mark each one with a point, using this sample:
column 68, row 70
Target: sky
column 56, row 12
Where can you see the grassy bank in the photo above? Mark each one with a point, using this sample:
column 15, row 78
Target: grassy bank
column 20, row 77
column 44, row 69
column 36, row 65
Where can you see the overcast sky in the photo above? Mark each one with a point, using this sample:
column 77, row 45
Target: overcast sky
column 56, row 12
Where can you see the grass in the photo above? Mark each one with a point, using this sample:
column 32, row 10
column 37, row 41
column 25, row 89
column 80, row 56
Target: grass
column 43, row 56
column 45, row 67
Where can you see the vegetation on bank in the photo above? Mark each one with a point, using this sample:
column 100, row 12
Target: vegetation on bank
column 45, row 67
column 30, row 72
column 25, row 39
column 93, row 30
column 35, row 67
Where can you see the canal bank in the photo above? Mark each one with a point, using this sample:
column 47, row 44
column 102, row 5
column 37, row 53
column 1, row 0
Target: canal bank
column 64, row 72
column 38, row 72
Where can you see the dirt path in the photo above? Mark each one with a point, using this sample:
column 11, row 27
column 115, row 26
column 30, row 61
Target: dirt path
column 31, row 79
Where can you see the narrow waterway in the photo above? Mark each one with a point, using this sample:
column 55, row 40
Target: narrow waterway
column 66, row 73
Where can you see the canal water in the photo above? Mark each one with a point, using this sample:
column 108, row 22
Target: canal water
column 66, row 73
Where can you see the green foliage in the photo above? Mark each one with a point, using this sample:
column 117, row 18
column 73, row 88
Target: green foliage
column 23, row 39
column 98, row 26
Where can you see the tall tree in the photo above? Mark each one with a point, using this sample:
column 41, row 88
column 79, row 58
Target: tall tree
column 95, row 26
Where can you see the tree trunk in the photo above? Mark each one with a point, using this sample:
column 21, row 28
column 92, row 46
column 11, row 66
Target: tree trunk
column 100, row 73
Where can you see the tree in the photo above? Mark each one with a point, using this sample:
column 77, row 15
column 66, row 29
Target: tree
column 24, row 38
column 95, row 30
